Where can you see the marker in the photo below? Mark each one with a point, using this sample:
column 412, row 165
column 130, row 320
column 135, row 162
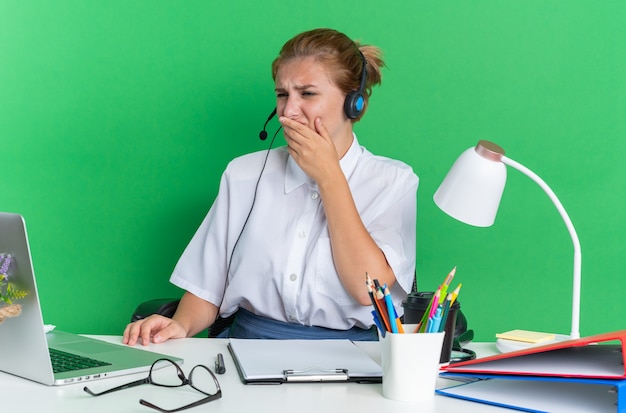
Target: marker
column 434, row 327
column 220, row 367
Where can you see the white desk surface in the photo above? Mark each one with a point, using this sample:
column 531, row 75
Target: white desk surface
column 23, row 395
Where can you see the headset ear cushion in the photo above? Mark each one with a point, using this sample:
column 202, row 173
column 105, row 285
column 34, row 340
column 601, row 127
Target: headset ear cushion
column 353, row 105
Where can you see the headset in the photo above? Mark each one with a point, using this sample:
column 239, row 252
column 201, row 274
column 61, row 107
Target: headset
column 355, row 101
column 353, row 105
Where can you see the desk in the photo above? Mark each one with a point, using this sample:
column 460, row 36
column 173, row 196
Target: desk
column 22, row 395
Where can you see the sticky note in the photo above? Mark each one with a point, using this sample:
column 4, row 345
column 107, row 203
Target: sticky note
column 526, row 336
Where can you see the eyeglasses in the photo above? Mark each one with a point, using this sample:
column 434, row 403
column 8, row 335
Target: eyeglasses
column 161, row 374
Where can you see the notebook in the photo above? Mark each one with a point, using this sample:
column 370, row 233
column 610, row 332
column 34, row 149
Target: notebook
column 284, row 361
column 26, row 349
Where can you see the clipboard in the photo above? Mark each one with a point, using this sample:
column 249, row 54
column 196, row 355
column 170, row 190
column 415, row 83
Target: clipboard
column 261, row 361
column 595, row 357
column 541, row 394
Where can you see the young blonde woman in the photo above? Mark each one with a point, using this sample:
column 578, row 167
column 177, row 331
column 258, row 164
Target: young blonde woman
column 293, row 230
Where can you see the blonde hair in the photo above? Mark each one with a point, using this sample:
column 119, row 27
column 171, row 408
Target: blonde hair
column 340, row 55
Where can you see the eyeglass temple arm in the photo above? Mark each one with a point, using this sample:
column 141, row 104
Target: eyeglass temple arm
column 122, row 387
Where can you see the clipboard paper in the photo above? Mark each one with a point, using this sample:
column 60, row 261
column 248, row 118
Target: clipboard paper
column 286, row 361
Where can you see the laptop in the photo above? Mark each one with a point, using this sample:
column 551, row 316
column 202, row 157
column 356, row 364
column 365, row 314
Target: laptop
column 28, row 352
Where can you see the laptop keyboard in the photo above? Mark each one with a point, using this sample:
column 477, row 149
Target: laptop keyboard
column 62, row 361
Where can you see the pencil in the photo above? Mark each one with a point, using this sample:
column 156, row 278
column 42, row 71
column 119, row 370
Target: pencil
column 391, row 311
column 446, row 285
column 428, row 313
column 455, row 293
column 376, row 303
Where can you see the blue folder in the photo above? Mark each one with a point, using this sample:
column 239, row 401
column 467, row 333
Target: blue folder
column 540, row 393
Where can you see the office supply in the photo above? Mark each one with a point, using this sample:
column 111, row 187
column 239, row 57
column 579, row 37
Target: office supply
column 414, row 307
column 20, row 395
column 220, row 367
column 435, row 321
column 28, row 352
column 380, row 315
column 285, row 361
column 471, row 193
column 455, row 294
column 526, row 336
column 542, row 394
column 391, row 311
column 595, row 357
column 445, row 311
column 410, row 363
column 446, row 283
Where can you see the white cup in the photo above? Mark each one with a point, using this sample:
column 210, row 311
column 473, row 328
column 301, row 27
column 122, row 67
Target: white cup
column 410, row 364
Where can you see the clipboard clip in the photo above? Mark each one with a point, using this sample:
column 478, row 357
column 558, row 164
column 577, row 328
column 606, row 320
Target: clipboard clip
column 314, row 374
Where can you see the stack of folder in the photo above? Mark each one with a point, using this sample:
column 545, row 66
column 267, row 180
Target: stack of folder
column 578, row 375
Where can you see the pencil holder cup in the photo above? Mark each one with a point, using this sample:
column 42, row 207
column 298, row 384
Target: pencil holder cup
column 410, row 364
column 415, row 305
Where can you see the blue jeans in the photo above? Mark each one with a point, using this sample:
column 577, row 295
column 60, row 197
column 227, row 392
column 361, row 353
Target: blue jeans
column 249, row 325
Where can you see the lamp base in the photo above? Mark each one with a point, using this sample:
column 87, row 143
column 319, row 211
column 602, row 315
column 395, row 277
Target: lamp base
column 506, row 346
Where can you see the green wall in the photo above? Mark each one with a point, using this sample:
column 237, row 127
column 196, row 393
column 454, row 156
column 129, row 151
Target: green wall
column 117, row 118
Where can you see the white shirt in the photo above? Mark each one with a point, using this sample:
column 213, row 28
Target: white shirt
column 282, row 266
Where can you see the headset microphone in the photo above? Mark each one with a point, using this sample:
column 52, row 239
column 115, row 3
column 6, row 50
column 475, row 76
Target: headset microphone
column 263, row 133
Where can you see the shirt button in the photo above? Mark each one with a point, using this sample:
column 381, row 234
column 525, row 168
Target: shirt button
column 302, row 234
column 315, row 195
column 293, row 277
column 291, row 317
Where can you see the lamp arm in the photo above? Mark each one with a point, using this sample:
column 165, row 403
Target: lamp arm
column 575, row 333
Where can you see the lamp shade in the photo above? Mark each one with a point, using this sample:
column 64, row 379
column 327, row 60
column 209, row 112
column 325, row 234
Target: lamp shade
column 472, row 189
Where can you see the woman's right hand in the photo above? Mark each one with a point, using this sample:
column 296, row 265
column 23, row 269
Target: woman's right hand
column 155, row 328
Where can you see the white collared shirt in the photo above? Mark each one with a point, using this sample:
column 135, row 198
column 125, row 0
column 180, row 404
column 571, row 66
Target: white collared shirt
column 282, row 266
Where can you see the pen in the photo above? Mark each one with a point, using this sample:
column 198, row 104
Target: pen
column 220, row 368
column 434, row 327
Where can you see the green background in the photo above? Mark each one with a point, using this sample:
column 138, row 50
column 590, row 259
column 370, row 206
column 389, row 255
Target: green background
column 118, row 117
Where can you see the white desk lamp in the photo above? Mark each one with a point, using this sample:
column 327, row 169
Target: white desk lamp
column 471, row 193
